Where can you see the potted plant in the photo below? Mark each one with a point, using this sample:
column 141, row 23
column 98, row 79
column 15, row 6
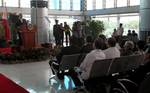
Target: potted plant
column 96, row 27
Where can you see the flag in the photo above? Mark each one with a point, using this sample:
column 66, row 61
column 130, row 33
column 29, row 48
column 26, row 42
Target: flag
column 6, row 24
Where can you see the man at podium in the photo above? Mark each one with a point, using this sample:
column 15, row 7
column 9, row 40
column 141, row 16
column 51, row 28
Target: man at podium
column 19, row 23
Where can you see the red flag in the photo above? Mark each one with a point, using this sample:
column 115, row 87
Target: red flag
column 6, row 24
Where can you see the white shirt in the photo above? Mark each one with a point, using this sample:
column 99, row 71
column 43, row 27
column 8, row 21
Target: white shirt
column 112, row 52
column 88, row 61
column 120, row 31
column 118, row 46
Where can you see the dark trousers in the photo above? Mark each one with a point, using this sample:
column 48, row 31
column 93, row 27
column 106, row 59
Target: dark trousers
column 62, row 40
column 67, row 34
column 57, row 40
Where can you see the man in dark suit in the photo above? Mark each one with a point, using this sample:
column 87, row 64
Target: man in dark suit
column 56, row 32
column 19, row 23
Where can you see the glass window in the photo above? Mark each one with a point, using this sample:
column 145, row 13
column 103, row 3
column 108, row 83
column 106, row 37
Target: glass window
column 110, row 25
column 11, row 3
column 121, row 3
column 54, row 4
column 134, row 2
column 25, row 3
column 89, row 4
column 76, row 4
column 110, row 22
column 109, row 3
column 0, row 2
column 130, row 22
column 65, row 4
column 98, row 4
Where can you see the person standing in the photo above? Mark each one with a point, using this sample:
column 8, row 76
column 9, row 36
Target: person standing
column 61, row 34
column 76, row 30
column 56, row 30
column 120, row 30
column 21, row 21
column 135, row 38
column 114, row 34
column 19, row 24
column 129, row 35
column 67, row 32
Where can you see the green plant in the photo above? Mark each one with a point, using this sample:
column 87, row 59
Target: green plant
column 96, row 27
column 27, row 55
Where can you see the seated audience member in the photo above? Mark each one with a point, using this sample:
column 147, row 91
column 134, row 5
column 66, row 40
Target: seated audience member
column 105, row 41
column 140, row 46
column 72, row 49
column 96, row 54
column 112, row 51
column 129, row 35
column 86, row 48
column 135, row 38
column 128, row 49
column 102, row 36
column 88, row 45
column 122, row 42
column 81, row 41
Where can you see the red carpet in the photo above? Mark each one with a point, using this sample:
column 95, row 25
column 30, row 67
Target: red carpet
column 8, row 86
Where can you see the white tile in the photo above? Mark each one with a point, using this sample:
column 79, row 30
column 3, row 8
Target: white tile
column 32, row 76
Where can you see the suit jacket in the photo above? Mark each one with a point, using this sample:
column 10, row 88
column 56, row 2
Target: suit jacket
column 56, row 31
column 20, row 22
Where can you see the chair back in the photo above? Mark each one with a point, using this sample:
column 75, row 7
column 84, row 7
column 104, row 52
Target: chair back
column 125, row 63
column 100, row 68
column 69, row 61
column 81, row 58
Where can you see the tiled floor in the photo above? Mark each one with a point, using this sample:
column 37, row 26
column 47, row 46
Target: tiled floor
column 32, row 76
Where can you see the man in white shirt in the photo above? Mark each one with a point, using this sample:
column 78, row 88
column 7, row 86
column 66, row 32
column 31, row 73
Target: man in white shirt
column 120, row 30
column 112, row 51
column 96, row 54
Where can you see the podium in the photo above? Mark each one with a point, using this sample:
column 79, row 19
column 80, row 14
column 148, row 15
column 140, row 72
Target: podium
column 28, row 35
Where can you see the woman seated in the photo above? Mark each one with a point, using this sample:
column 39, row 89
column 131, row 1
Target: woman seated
column 96, row 54
column 128, row 49
column 112, row 51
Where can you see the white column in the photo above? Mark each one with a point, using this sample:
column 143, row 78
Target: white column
column 144, row 19
column 39, row 17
